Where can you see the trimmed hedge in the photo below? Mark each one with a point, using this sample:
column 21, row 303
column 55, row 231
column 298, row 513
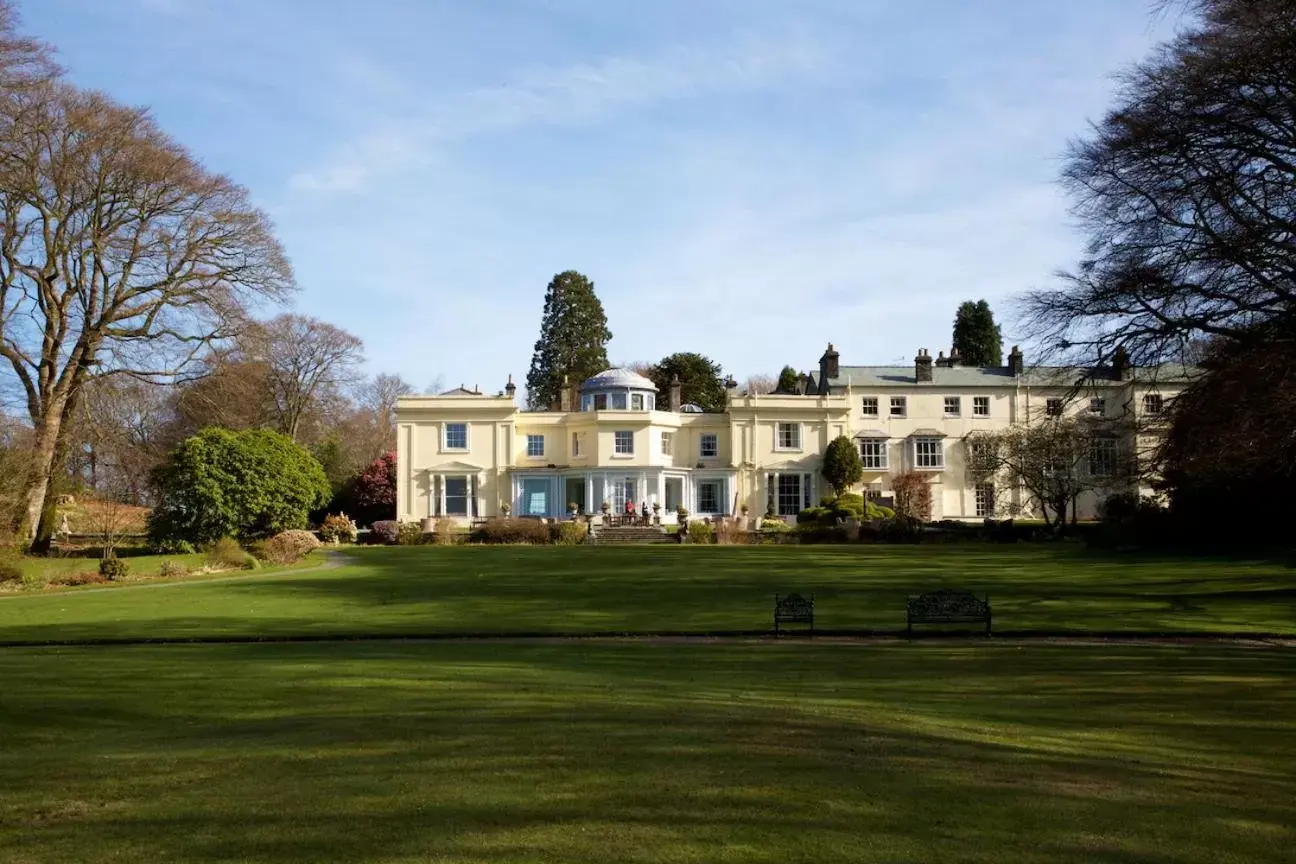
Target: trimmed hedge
column 509, row 530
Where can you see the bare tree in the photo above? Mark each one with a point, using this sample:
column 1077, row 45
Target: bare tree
column 758, row 385
column 23, row 62
column 379, row 398
column 307, row 361
column 119, row 255
column 1187, row 189
column 118, row 437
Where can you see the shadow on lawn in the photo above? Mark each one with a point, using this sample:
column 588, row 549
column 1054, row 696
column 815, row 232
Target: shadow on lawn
column 648, row 752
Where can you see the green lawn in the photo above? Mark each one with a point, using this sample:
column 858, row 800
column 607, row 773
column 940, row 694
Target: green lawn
column 646, row 752
column 670, row 588
column 38, row 571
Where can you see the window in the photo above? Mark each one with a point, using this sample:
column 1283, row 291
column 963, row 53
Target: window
column 873, row 453
column 668, row 443
column 870, row 406
column 1097, row 405
column 1153, row 403
column 710, row 493
column 535, row 446
column 600, row 402
column 709, row 447
column 899, row 406
column 1102, row 457
column 1053, row 407
column 636, row 402
column 953, row 406
column 587, row 403
column 980, row 406
column 789, row 436
column 624, row 443
column 618, row 401
column 456, row 436
column 456, row 496
column 928, row 453
column 985, row 500
column 789, row 494
column 652, row 402
column 576, row 444
column 981, row 453
column 535, row 497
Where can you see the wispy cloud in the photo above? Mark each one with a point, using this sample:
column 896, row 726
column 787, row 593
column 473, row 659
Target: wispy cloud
column 571, row 95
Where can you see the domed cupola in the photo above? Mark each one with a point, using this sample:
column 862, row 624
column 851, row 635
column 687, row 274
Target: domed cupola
column 618, row 390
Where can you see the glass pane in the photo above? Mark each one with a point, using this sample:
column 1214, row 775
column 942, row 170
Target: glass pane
column 636, row 401
column 456, row 496
column 535, row 498
column 789, row 494
column 618, row 401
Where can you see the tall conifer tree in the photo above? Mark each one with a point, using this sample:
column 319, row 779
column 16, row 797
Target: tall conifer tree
column 977, row 338
column 573, row 339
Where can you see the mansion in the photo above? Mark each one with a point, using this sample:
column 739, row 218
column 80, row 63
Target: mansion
column 615, row 439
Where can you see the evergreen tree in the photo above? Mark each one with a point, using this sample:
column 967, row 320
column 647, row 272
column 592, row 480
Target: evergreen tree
column 787, row 380
column 842, row 466
column 977, row 338
column 700, row 381
column 573, row 339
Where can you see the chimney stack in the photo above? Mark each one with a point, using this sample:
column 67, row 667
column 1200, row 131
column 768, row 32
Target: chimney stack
column 510, row 389
column 923, row 366
column 675, row 387
column 829, row 365
column 1121, row 364
column 941, row 360
column 565, row 396
column 955, row 358
column 1016, row 362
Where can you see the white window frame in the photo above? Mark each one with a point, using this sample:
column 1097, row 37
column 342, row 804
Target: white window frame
column 796, row 447
column 531, row 438
column 576, row 445
column 636, row 402
column 901, row 402
column 879, row 459
column 667, row 443
column 720, row 495
column 936, row 464
column 617, row 452
column 983, row 496
column 870, row 402
column 622, row 398
column 1150, row 399
column 980, row 406
column 467, row 496
column 702, row 446
column 1109, row 459
column 445, row 438
column 957, row 402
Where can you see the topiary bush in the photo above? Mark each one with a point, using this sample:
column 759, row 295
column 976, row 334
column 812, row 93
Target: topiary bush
column 568, row 533
column 386, row 532
column 113, row 569
column 338, row 528
column 770, row 525
column 505, row 530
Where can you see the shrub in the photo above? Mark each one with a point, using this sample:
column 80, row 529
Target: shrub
column 913, row 495
column 816, row 533
column 9, row 570
column 506, row 530
column 338, row 528
column 73, row 579
column 251, row 563
column 727, row 533
column 568, row 533
column 701, row 532
column 172, row 546
column 842, row 466
column 445, row 533
column 878, row 512
column 287, row 547
column 770, row 525
column 113, row 569
column 815, row 516
column 901, row 529
column 248, row 484
column 172, row 569
column 852, row 501
column 386, row 531
column 409, row 534
column 226, row 554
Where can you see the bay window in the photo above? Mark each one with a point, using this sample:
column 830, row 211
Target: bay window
column 929, row 453
column 873, row 453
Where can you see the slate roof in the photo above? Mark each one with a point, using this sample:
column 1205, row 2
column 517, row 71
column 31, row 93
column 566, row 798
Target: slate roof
column 996, row 376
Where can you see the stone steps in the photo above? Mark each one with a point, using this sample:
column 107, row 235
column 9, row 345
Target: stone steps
column 631, row 534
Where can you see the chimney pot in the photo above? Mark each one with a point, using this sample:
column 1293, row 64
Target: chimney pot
column 1016, row 362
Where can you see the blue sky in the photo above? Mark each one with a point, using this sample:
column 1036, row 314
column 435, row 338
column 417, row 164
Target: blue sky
column 746, row 178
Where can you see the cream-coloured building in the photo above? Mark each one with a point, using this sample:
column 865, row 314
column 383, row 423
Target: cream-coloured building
column 464, row 454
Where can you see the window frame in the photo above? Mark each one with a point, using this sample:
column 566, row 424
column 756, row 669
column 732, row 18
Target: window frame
column 795, row 447
column 1097, row 405
column 901, row 402
column 876, row 405
column 1150, row 399
column 978, row 403
column 881, row 459
column 1110, row 457
column 718, row 487
column 667, row 442
column 957, row 402
column 619, row 401
column 636, row 402
column 702, row 448
column 617, row 452
column 1053, row 406
column 445, row 438
column 446, row 496
column 532, row 438
column 919, row 442
column 576, row 445
column 983, row 500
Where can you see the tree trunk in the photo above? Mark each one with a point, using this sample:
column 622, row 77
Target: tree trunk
column 27, row 522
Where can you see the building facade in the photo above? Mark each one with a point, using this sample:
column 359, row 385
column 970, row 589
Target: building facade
column 464, row 455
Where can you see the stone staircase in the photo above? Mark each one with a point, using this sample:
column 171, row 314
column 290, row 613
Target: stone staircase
column 607, row 536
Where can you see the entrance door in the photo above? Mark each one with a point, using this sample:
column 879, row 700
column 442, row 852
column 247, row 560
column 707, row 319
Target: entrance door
column 623, row 490
column 674, row 493
column 575, row 494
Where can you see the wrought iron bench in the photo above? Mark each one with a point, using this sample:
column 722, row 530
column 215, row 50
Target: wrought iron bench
column 948, row 607
column 793, row 609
